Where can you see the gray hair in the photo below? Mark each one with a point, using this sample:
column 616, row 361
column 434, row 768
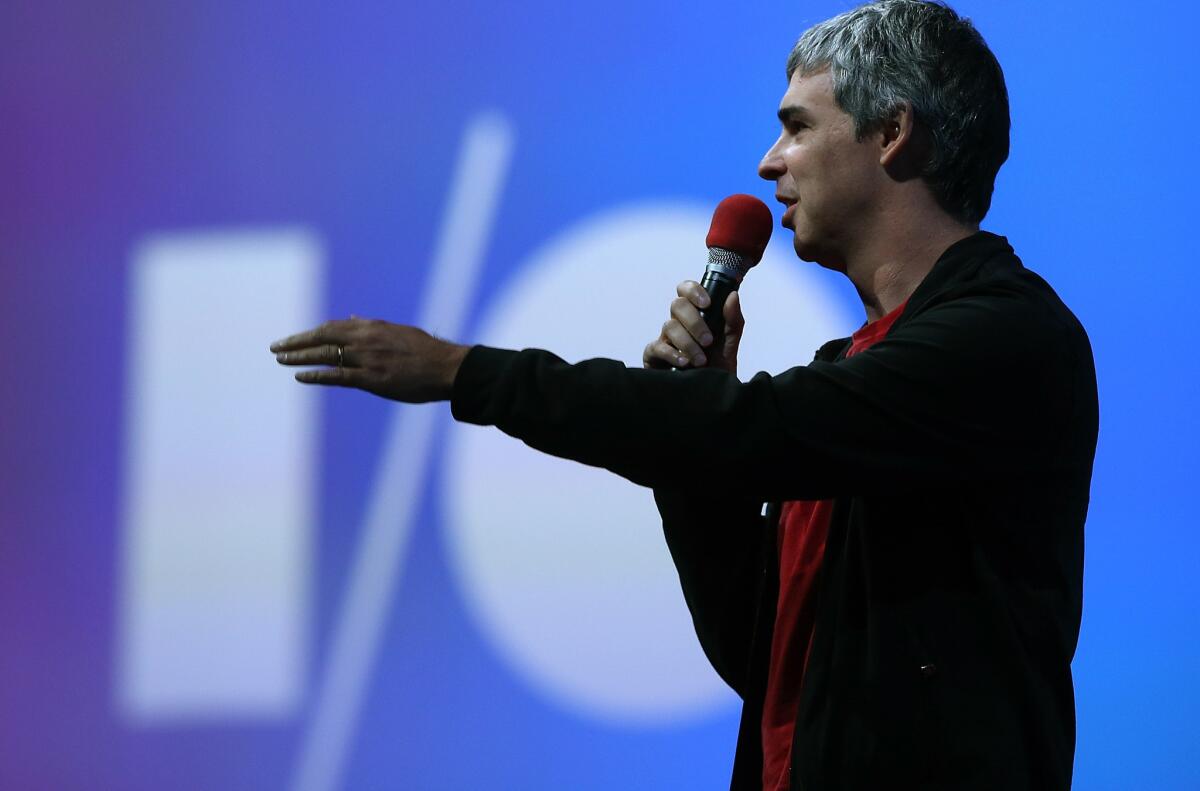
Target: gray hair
column 883, row 54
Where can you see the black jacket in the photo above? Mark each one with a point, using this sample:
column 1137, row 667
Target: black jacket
column 958, row 451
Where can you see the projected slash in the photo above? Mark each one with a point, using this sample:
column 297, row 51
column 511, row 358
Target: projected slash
column 400, row 479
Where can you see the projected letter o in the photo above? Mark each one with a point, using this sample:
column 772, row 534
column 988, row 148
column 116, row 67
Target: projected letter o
column 564, row 566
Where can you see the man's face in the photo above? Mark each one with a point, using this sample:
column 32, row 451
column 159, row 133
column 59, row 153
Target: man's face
column 828, row 180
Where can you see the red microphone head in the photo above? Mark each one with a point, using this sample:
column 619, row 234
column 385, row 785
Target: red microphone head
column 741, row 224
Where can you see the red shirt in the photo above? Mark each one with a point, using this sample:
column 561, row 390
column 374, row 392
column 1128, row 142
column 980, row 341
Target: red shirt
column 803, row 526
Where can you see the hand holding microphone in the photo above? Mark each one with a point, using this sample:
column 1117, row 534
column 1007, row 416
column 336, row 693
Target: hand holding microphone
column 706, row 321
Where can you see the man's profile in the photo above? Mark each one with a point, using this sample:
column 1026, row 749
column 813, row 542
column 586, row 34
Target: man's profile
column 905, row 612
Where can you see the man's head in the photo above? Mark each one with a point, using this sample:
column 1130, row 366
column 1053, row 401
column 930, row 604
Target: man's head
column 885, row 93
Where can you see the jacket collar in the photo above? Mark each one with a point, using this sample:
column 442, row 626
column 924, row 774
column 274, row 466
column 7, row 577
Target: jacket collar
column 959, row 263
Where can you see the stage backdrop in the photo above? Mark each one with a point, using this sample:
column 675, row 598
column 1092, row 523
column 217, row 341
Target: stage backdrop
column 214, row 578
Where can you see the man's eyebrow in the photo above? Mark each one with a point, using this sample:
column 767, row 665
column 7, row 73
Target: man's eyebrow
column 793, row 112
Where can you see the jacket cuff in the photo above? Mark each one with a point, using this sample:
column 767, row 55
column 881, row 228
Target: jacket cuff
column 473, row 383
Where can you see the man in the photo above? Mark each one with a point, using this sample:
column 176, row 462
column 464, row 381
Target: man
column 905, row 614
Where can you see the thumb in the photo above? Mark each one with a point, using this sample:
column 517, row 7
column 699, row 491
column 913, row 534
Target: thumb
column 734, row 323
column 734, row 320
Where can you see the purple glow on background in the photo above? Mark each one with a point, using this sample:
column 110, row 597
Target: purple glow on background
column 142, row 118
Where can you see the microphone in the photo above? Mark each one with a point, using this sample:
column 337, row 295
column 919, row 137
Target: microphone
column 741, row 227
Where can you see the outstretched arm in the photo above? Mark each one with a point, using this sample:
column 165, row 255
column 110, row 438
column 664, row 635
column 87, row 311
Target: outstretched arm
column 970, row 389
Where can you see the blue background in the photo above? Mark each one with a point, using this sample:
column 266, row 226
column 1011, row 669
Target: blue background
column 140, row 116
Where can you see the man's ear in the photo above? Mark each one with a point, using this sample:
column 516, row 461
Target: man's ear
column 896, row 133
column 903, row 144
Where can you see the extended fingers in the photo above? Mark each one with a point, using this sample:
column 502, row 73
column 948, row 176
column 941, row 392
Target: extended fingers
column 333, row 333
column 339, row 377
column 327, row 354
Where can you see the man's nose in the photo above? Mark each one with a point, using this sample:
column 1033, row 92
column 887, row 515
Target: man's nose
column 771, row 166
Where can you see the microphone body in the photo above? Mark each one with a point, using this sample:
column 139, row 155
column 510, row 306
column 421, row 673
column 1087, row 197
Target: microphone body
column 722, row 276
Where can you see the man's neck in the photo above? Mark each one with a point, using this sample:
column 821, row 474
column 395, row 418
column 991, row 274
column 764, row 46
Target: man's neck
column 887, row 268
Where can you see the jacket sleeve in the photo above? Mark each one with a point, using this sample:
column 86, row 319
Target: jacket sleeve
column 976, row 386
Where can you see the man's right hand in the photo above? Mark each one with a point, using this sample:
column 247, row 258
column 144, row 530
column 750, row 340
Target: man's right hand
column 685, row 342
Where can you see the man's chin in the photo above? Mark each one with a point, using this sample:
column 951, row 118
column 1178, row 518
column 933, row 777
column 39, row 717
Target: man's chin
column 808, row 250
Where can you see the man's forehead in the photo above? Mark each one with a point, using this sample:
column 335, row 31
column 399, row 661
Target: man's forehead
column 808, row 91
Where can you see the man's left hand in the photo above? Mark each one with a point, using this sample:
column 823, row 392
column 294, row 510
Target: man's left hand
column 390, row 360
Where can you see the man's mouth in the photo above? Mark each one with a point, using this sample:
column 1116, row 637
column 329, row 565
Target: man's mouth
column 786, row 222
column 790, row 203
